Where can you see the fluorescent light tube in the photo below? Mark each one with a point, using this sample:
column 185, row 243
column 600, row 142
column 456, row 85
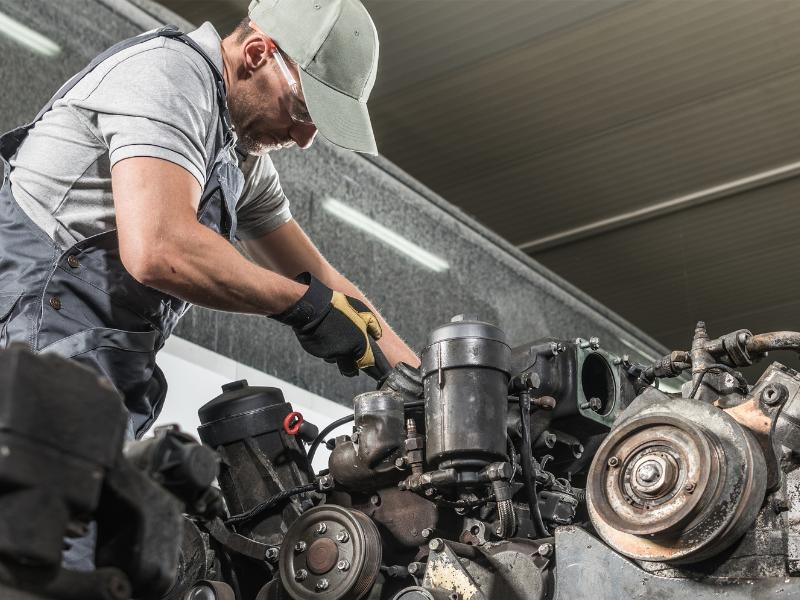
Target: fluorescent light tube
column 27, row 37
column 387, row 236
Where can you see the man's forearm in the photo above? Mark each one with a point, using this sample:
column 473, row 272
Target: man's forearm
column 198, row 265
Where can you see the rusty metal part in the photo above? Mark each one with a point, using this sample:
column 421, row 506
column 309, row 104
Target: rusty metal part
column 586, row 568
column 776, row 340
column 321, row 529
column 512, row 570
column 405, row 516
column 687, row 483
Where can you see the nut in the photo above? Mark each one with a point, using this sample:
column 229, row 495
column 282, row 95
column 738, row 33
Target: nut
column 545, row 550
column 322, row 585
column 300, row 546
column 321, row 528
column 343, row 565
column 300, row 575
column 414, row 443
column 342, row 537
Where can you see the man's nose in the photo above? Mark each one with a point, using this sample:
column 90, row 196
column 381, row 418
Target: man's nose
column 303, row 135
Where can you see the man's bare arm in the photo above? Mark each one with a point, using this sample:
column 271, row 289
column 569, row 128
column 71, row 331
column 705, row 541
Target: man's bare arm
column 289, row 251
column 162, row 245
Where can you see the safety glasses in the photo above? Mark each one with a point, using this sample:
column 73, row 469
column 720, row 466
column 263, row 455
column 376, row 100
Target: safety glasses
column 298, row 111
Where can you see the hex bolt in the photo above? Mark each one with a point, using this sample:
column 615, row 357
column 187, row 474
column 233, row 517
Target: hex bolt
column 342, row 537
column 689, row 487
column 436, row 545
column 613, row 462
column 426, row 533
column 545, row 550
column 414, row 568
column 321, row 528
column 343, row 565
column 300, row 546
column 322, row 585
column 300, row 575
column 271, row 554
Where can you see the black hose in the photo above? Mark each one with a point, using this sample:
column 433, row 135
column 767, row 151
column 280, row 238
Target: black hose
column 312, row 449
column 526, row 453
column 270, row 502
column 719, row 367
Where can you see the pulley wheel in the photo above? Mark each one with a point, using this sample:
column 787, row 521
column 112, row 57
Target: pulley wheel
column 330, row 553
column 677, row 482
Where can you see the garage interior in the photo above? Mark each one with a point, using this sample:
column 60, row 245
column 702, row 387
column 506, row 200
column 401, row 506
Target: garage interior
column 645, row 151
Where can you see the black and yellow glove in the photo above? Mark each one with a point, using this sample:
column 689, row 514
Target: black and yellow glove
column 337, row 328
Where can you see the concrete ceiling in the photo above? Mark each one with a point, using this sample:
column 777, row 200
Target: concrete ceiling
column 648, row 151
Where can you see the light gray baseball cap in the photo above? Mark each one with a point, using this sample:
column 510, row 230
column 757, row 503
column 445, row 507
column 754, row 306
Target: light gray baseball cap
column 335, row 44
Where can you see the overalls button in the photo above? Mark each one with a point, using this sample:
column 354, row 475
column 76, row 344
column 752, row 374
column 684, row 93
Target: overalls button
column 73, row 262
column 55, row 302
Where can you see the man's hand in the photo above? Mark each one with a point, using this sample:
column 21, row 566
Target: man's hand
column 337, row 328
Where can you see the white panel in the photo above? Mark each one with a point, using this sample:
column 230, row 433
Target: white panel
column 195, row 375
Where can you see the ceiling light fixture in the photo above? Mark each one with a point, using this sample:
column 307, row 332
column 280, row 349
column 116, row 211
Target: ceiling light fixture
column 387, row 236
column 27, row 37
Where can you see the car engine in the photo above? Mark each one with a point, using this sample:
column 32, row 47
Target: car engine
column 551, row 470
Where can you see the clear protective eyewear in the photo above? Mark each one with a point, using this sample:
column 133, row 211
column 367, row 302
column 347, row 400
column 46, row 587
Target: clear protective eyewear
column 298, row 110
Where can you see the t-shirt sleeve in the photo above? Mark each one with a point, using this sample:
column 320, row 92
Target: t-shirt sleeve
column 262, row 207
column 158, row 103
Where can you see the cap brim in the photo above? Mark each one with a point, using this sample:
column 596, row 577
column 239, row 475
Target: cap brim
column 339, row 118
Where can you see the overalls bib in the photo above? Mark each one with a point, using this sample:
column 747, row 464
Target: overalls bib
column 81, row 303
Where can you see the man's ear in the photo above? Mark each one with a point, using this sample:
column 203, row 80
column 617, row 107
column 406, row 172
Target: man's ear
column 255, row 53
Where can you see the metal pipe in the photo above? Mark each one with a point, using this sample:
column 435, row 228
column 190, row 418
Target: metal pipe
column 776, row 340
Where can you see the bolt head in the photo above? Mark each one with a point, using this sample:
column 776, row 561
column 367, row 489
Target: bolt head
column 436, row 545
column 613, row 462
column 689, row 487
column 400, row 463
column 300, row 546
column 321, row 528
column 414, row 568
column 342, row 537
column 272, row 554
column 648, row 472
column 322, row 584
column 427, row 532
column 343, row 565
column 300, row 575
column 545, row 550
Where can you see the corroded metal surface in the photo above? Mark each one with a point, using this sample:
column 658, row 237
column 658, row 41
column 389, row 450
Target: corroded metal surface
column 587, row 569
column 709, row 506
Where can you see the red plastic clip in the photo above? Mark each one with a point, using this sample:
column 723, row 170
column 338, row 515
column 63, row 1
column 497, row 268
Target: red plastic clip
column 292, row 423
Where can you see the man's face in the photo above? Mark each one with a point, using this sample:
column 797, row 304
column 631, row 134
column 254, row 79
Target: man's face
column 261, row 103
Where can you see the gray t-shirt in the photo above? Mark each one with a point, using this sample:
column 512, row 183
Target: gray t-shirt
column 154, row 99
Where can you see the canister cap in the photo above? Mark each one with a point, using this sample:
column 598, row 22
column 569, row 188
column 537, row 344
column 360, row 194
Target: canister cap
column 238, row 398
column 462, row 326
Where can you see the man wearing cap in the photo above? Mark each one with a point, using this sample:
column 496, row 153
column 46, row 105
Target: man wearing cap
column 120, row 201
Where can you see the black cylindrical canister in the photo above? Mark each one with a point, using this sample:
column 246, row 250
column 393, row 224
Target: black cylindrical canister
column 247, row 426
column 465, row 372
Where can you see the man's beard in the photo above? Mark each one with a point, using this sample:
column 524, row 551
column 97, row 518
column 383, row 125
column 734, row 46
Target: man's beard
column 241, row 111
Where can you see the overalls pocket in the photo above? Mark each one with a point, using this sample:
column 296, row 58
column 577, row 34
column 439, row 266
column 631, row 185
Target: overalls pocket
column 8, row 300
column 127, row 358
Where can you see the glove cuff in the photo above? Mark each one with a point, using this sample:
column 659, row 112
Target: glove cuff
column 312, row 306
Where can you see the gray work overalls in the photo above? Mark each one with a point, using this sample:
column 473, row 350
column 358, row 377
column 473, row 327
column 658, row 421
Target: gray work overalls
column 81, row 303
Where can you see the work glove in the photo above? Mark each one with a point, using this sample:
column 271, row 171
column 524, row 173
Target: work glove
column 336, row 328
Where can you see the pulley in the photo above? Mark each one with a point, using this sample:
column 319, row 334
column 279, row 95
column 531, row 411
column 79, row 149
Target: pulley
column 677, row 482
column 330, row 553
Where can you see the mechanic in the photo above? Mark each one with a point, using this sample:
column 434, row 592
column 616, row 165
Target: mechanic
column 165, row 121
